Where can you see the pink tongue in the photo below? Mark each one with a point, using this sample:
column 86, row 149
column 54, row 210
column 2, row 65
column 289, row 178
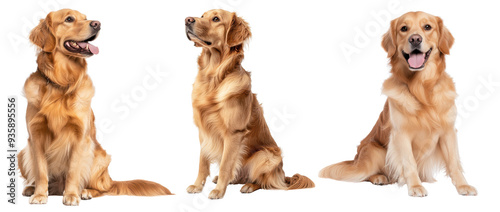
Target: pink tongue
column 416, row 60
column 92, row 48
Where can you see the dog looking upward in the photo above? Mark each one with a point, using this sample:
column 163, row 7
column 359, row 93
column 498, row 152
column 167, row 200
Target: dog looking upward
column 232, row 129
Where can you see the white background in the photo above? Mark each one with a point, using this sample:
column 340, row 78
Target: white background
column 319, row 101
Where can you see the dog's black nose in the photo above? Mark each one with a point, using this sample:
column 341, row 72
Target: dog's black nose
column 96, row 25
column 415, row 40
column 189, row 20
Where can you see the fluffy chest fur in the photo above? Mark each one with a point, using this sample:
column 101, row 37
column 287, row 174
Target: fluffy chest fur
column 408, row 112
column 212, row 101
column 58, row 106
column 67, row 120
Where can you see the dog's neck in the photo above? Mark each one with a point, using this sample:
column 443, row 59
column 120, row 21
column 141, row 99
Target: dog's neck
column 49, row 81
column 65, row 75
column 420, row 83
column 216, row 64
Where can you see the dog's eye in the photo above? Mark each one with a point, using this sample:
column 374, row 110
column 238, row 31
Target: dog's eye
column 201, row 16
column 69, row 19
column 404, row 29
column 216, row 19
column 427, row 27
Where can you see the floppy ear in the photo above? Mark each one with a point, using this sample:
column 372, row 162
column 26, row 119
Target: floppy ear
column 238, row 32
column 42, row 35
column 389, row 39
column 446, row 40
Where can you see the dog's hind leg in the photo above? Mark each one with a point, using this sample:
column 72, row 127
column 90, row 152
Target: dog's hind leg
column 265, row 170
column 369, row 162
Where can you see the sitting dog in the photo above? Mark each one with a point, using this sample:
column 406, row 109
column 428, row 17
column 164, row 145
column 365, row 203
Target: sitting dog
column 63, row 156
column 415, row 134
column 232, row 129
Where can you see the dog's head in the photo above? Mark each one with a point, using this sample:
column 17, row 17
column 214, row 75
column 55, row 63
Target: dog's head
column 67, row 31
column 416, row 37
column 217, row 29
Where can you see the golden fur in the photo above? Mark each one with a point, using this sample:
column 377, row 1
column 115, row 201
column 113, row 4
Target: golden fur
column 63, row 156
column 232, row 129
column 415, row 134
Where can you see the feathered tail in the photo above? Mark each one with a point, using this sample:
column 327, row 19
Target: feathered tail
column 137, row 188
column 298, row 181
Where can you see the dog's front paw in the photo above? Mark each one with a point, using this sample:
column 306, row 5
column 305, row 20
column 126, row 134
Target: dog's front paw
column 194, row 189
column 467, row 190
column 417, row 191
column 86, row 195
column 71, row 199
column 38, row 199
column 216, row 194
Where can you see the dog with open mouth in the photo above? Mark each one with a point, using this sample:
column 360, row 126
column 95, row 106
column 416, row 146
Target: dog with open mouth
column 415, row 134
column 63, row 156
column 232, row 128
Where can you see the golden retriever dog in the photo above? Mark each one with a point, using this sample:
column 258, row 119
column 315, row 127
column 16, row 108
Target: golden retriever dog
column 63, row 156
column 414, row 136
column 232, row 129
